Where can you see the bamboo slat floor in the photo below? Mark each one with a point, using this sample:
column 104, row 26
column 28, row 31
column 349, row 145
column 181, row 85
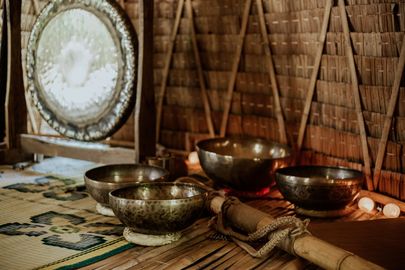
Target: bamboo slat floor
column 202, row 248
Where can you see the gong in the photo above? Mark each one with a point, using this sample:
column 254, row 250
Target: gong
column 81, row 67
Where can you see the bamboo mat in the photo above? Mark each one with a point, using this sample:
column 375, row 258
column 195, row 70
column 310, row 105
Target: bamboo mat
column 46, row 222
column 70, row 170
column 202, row 248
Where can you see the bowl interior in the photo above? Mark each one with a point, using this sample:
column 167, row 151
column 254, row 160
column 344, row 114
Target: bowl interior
column 158, row 191
column 244, row 148
column 124, row 173
column 317, row 174
column 319, row 191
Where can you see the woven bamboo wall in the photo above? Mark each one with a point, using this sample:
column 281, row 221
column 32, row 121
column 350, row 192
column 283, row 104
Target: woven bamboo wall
column 293, row 29
column 332, row 134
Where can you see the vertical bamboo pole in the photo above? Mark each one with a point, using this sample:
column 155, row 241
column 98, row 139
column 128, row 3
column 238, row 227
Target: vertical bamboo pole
column 144, row 112
column 122, row 3
column 37, row 9
column 34, row 125
column 388, row 118
column 3, row 72
column 201, row 79
column 314, row 75
column 15, row 96
column 272, row 74
column 356, row 93
column 30, row 110
column 166, row 68
column 235, row 65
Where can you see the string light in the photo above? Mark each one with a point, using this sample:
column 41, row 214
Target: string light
column 391, row 210
column 366, row 204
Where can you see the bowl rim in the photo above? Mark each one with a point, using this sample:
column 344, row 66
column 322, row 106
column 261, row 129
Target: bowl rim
column 202, row 195
column 105, row 184
column 358, row 176
column 199, row 148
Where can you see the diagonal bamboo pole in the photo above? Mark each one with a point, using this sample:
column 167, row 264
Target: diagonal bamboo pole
column 356, row 94
column 234, row 70
column 314, row 75
column 201, row 79
column 390, row 112
column 272, row 74
column 166, row 68
column 301, row 243
column 305, row 246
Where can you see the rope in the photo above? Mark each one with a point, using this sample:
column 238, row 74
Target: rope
column 282, row 228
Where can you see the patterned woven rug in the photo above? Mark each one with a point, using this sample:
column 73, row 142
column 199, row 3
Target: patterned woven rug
column 72, row 170
column 46, row 224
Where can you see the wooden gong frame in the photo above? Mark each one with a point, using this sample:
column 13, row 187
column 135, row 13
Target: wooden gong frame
column 18, row 144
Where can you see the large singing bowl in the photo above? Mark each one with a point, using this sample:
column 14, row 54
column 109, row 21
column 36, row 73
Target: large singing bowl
column 242, row 164
column 158, row 208
column 102, row 180
column 319, row 188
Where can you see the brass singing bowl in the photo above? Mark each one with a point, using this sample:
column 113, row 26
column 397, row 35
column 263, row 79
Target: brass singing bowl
column 319, row 187
column 242, row 164
column 158, row 208
column 102, row 180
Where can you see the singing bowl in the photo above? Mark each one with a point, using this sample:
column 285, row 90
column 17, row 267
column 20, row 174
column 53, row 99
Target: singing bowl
column 240, row 163
column 102, row 180
column 158, row 208
column 319, row 187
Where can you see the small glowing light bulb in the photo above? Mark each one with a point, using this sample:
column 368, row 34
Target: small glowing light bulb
column 366, row 204
column 193, row 158
column 391, row 210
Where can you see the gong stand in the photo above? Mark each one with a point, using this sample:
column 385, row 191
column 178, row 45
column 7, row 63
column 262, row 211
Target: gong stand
column 18, row 143
column 13, row 109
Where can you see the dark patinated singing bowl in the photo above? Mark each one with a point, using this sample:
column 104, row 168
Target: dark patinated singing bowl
column 319, row 187
column 158, row 208
column 102, row 180
column 242, row 164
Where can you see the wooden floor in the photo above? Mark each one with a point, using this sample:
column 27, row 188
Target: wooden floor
column 202, row 248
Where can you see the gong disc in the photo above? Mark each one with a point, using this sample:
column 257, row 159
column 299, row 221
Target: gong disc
column 81, row 67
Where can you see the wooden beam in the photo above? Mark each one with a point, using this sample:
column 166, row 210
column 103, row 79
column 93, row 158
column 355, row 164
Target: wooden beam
column 96, row 152
column 356, row 94
column 3, row 73
column 390, row 113
column 272, row 74
column 201, row 80
column 234, row 70
column 13, row 156
column 166, row 68
column 314, row 75
column 145, row 114
column 15, row 108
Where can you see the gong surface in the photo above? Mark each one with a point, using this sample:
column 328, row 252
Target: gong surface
column 81, row 67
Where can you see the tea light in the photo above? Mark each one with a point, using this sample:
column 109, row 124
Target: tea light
column 193, row 158
column 391, row 210
column 366, row 204
column 193, row 163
